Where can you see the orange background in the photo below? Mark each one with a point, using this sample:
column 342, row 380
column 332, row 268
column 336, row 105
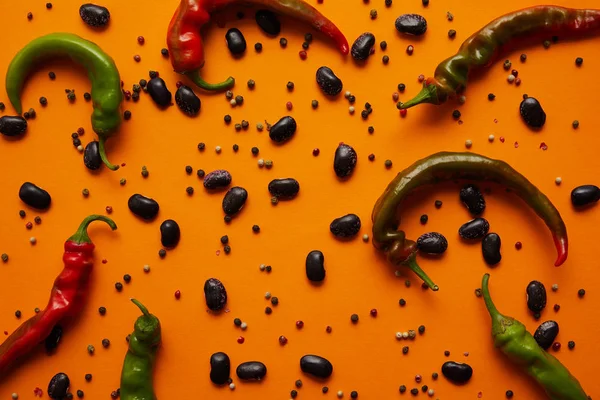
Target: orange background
column 366, row 356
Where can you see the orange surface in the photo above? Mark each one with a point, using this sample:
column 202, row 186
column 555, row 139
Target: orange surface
column 366, row 356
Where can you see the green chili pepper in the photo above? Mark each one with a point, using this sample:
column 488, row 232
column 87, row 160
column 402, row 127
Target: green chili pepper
column 102, row 71
column 136, row 377
column 443, row 167
column 512, row 338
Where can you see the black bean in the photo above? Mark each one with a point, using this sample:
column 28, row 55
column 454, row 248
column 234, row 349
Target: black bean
column 217, row 179
column 94, row 15
column 474, row 229
column 187, row 101
column 283, row 130
column 316, row 366
column 236, row 43
column 315, row 268
column 457, row 372
column 411, row 24
column 584, row 195
column 53, row 339
column 344, row 160
column 536, row 296
column 34, row 196
column 490, row 247
column 329, row 83
column 215, row 294
column 532, row 113
column 142, row 206
column 545, row 334
column 346, row 226
column 220, row 368
column 157, row 88
column 471, row 197
column 267, row 21
column 169, row 233
column 58, row 386
column 432, row 243
column 12, row 126
column 234, row 200
column 361, row 48
column 251, row 371
column 286, row 188
column 91, row 155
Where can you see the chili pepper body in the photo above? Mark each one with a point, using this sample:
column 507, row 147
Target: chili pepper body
column 513, row 339
column 500, row 36
column 103, row 73
column 443, row 167
column 67, row 297
column 186, row 47
column 138, row 368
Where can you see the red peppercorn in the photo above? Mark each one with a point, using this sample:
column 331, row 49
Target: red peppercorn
column 29, row 225
column 299, row 324
column 556, row 307
column 502, row 139
column 410, row 49
column 303, row 55
column 240, row 339
column 177, row 294
column 518, row 245
column 518, row 82
column 395, row 96
column 320, row 1
column 141, row 40
column 543, row 146
column 127, row 94
column 556, row 346
column 137, row 58
column 316, row 152
column 328, row 329
column 374, row 312
column 421, row 78
column 282, row 340
column 80, row 131
column 178, row 84
column 104, row 261
column 289, row 105
column 516, row 145
column 403, row 112
column 108, row 209
column 514, row 72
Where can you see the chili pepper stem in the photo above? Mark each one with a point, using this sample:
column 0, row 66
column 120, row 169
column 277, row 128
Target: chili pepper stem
column 427, row 95
column 499, row 321
column 414, row 267
column 81, row 236
column 201, row 83
column 142, row 308
column 102, row 150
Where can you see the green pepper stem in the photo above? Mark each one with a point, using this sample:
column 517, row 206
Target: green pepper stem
column 81, row 236
column 201, row 83
column 489, row 304
column 142, row 308
column 427, row 95
column 412, row 264
column 110, row 166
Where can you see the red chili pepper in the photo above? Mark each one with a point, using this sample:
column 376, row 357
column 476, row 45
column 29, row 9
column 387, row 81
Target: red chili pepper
column 184, row 39
column 66, row 299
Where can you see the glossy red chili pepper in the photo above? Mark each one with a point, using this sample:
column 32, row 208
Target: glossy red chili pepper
column 66, row 299
column 185, row 40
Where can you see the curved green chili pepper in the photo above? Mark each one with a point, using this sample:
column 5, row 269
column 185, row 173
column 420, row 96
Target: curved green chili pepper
column 102, row 71
column 136, row 377
column 512, row 338
column 442, row 167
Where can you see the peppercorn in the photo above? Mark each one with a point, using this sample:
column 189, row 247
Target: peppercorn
column 237, row 321
column 80, row 394
column 425, row 3
column 201, row 146
column 164, row 52
column 402, row 302
column 239, row 99
column 314, row 104
column 364, row 114
column 509, row 394
column 324, row 389
column 385, row 59
column 48, row 6
column 424, row 388
column 352, row 99
column 4, row 257
column 451, row 33
column 402, row 388
column 571, row 345
column 546, row 44
column 268, row 310
column 578, row 61
column 153, row 74
column 298, row 383
column 105, row 343
column 414, row 391
column 581, row 293
column 354, row 394
column 438, row 204
column 354, row 318
column 88, row 377
column 127, row 115
column 162, row 253
column 556, row 346
column 274, row 300
column 258, row 47
column 383, row 45
column 371, row 129
column 373, row 13
column 18, row 313
column 91, row 349
column 456, row 114
column 293, row 393
column 401, row 87
column 305, row 45
column 30, row 16
column 227, row 249
column 119, row 286
column 388, row 163
column 434, row 376
column 556, row 307
column 283, row 42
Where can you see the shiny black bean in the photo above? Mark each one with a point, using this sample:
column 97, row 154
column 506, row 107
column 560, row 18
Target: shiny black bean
column 283, row 130
column 316, row 366
column 91, row 155
column 142, row 206
column 187, row 101
column 471, row 197
column 474, row 229
column 545, row 334
column 236, row 43
column 286, row 188
column 53, row 339
column 58, row 386
column 157, row 88
column 536, row 296
column 169, row 233
column 346, row 226
column 490, row 247
column 34, row 196
column 411, row 24
column 215, row 294
column 361, row 49
column 12, row 125
column 329, row 83
column 432, row 243
column 584, row 195
column 220, row 368
column 234, row 200
column 94, row 15
column 251, row 371
column 457, row 372
column 217, row 179
column 344, row 160
column 532, row 113
column 315, row 268
column 267, row 21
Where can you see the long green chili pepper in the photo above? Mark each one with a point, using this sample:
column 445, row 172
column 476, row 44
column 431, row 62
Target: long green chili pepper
column 136, row 376
column 502, row 35
column 445, row 166
column 512, row 338
column 102, row 71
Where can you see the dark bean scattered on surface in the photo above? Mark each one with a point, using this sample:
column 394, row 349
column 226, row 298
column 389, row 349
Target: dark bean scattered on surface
column 144, row 207
column 12, row 125
column 169, row 233
column 345, row 160
column 532, row 113
column 329, row 83
column 34, row 196
column 94, row 15
column 215, row 294
column 236, row 43
column 536, row 296
column 432, row 243
column 361, row 48
column 267, row 21
column 457, row 372
column 346, row 226
column 217, row 179
column 472, row 198
column 411, row 24
column 490, row 247
column 58, row 386
column 234, row 200
column 91, row 156
column 53, row 339
column 220, row 368
column 160, row 94
column 315, row 266
column 285, row 189
column 316, row 366
column 474, row 229
column 251, row 371
column 546, row 333
column 187, row 101
column 585, row 195
column 283, row 130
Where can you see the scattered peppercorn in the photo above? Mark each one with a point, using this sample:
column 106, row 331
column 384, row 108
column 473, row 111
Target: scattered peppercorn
column 509, row 394
column 575, row 124
column 456, row 114
column 48, row 6
column 354, row 394
column 162, row 253
column 581, row 293
column 119, row 286
column 239, row 99
column 402, row 302
column 546, row 44
column 354, row 318
column 451, row 33
column 105, row 343
column 556, row 346
column 258, row 47
column 127, row 115
column 298, row 383
column 127, row 278
column 88, row 377
column 571, row 345
column 578, row 61
column 385, row 59
column 388, row 163
column 422, row 329
column 18, row 313
column 410, row 49
column 274, row 300
column 91, row 349
column 438, row 204
column 434, row 376
column 373, row 13
column 283, row 42
column 402, row 388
